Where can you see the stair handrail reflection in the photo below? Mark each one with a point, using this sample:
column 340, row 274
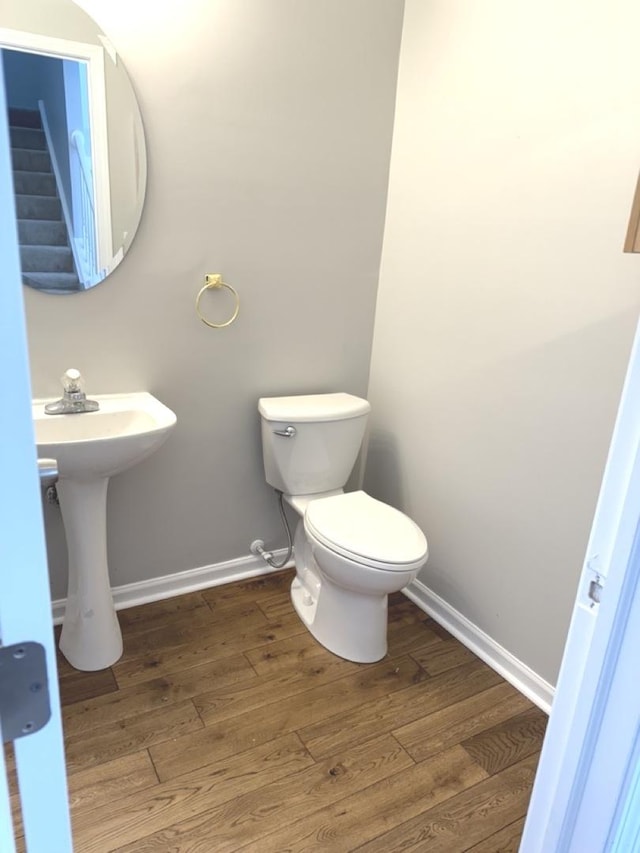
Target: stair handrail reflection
column 64, row 202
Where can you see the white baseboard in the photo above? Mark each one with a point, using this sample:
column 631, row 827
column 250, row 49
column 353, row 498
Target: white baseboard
column 498, row 658
column 142, row 592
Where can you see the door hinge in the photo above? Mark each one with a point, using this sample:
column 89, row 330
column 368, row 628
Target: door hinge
column 592, row 583
column 24, row 690
column 595, row 590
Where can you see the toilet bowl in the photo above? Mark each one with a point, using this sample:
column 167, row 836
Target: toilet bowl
column 351, row 550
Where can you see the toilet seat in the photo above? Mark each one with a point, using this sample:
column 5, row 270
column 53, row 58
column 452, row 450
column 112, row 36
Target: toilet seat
column 366, row 531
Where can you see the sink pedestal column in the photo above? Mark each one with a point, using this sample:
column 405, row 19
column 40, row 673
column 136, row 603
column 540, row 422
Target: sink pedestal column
column 91, row 638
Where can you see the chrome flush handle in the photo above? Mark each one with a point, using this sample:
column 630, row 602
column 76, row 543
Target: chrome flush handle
column 288, row 432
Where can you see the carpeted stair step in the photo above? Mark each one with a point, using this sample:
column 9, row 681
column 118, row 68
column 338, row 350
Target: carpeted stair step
column 42, row 232
column 34, row 183
column 19, row 117
column 28, row 137
column 27, row 159
column 38, row 207
column 46, row 259
column 52, row 282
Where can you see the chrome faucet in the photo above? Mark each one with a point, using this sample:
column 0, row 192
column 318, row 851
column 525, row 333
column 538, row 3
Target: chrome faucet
column 74, row 400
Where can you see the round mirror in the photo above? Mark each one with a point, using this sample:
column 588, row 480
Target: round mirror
column 77, row 145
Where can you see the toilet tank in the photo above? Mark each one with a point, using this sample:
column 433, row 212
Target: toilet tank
column 320, row 455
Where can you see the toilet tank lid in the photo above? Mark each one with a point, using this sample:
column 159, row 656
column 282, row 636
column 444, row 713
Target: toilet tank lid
column 313, row 407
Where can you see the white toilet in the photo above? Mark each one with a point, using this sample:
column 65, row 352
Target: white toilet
column 351, row 550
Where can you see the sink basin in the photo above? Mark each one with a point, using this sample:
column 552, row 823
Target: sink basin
column 89, row 449
column 126, row 429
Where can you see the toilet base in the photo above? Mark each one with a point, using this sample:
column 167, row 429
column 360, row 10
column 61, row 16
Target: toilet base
column 348, row 624
column 343, row 606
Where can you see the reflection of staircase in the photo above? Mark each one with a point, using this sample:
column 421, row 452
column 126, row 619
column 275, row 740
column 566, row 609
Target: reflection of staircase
column 47, row 260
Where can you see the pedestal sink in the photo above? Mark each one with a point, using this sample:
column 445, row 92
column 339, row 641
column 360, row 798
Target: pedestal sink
column 90, row 448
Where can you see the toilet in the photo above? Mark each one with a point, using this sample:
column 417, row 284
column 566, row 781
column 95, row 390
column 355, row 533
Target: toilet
column 351, row 550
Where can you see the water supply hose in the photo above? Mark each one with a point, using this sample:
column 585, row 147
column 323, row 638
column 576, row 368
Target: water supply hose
column 267, row 555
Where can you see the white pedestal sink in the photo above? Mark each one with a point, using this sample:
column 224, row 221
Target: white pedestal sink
column 89, row 448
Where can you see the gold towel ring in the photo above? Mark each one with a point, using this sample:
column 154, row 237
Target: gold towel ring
column 215, row 281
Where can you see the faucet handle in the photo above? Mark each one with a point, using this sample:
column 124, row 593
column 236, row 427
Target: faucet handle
column 72, row 381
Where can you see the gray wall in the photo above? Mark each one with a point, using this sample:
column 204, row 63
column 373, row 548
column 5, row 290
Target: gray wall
column 269, row 131
column 506, row 308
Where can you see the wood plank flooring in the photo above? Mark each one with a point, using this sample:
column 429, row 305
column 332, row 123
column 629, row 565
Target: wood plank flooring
column 226, row 727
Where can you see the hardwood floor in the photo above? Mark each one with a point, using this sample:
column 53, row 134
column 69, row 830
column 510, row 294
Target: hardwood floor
column 226, row 727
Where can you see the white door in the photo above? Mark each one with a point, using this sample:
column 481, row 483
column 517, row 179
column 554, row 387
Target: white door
column 587, row 789
column 25, row 603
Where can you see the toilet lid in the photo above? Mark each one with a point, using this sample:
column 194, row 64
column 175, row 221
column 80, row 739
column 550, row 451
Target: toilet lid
column 367, row 531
